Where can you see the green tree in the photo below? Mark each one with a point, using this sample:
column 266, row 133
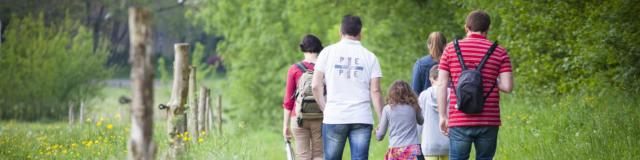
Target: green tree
column 568, row 46
column 47, row 66
column 261, row 40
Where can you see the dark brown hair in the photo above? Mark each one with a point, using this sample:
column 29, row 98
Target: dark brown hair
column 478, row 21
column 311, row 43
column 351, row 25
column 400, row 93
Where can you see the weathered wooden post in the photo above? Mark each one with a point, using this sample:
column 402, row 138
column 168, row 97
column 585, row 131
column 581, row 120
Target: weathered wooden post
column 141, row 146
column 176, row 116
column 81, row 119
column 204, row 93
column 71, row 114
column 209, row 114
column 193, row 106
column 220, row 114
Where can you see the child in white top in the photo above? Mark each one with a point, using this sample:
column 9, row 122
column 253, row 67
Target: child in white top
column 434, row 145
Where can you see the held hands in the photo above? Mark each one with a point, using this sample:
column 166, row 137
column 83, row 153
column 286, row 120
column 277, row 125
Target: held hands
column 444, row 127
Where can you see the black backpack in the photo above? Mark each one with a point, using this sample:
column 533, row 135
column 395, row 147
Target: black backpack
column 469, row 92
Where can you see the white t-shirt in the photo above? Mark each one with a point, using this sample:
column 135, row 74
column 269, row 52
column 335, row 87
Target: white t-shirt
column 348, row 68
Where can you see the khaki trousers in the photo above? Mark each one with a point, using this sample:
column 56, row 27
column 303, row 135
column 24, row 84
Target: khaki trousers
column 308, row 139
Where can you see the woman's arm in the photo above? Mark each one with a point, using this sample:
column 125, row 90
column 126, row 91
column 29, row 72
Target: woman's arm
column 289, row 101
column 285, row 124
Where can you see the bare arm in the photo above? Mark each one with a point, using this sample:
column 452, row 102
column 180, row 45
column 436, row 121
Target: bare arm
column 317, row 85
column 376, row 95
column 505, row 82
column 441, row 93
column 285, row 124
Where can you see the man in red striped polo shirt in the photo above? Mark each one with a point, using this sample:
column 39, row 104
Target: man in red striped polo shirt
column 480, row 129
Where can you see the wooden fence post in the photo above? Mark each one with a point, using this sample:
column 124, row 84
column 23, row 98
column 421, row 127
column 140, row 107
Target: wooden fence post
column 209, row 114
column 81, row 119
column 193, row 106
column 71, row 114
column 220, row 114
column 140, row 145
column 176, row 116
column 204, row 93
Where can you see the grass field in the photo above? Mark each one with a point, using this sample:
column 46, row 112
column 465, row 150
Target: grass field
column 601, row 126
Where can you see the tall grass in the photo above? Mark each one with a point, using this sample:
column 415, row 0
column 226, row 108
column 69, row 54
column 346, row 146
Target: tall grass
column 582, row 126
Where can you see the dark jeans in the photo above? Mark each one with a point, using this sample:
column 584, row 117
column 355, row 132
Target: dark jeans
column 484, row 138
column 334, row 137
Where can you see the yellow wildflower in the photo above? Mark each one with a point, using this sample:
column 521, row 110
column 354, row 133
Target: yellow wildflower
column 109, row 126
column 200, row 140
column 203, row 133
column 74, row 145
column 89, row 143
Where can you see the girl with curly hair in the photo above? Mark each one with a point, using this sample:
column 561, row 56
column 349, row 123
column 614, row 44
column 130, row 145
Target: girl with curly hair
column 400, row 116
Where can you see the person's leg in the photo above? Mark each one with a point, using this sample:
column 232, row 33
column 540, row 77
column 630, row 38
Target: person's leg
column 485, row 142
column 334, row 136
column 459, row 143
column 316, row 139
column 359, row 138
column 302, row 137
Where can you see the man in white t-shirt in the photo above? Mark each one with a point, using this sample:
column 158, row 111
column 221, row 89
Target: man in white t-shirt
column 352, row 75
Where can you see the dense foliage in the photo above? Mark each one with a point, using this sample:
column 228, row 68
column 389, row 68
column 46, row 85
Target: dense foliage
column 569, row 46
column 46, row 67
column 556, row 47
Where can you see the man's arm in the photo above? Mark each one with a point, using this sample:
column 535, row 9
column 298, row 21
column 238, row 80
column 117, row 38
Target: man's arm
column 317, row 85
column 376, row 95
column 505, row 82
column 441, row 93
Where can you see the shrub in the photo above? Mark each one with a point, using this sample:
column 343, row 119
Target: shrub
column 47, row 66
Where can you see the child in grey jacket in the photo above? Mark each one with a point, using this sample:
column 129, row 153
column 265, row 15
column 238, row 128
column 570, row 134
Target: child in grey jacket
column 434, row 144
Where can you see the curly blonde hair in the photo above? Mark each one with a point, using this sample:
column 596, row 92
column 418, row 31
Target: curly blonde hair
column 400, row 93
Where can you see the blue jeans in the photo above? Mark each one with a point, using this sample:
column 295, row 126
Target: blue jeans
column 484, row 138
column 334, row 136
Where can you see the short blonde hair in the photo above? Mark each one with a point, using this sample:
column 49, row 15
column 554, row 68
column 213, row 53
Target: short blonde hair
column 433, row 72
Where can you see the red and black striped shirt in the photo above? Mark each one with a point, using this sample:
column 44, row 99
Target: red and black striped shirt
column 473, row 48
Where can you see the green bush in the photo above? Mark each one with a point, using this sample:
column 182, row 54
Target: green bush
column 47, row 66
column 568, row 46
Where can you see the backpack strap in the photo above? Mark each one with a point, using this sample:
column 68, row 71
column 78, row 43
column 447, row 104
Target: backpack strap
column 301, row 67
column 459, row 53
column 490, row 90
column 484, row 59
column 486, row 56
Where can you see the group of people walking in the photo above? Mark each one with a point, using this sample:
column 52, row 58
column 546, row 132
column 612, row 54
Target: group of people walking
column 451, row 105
